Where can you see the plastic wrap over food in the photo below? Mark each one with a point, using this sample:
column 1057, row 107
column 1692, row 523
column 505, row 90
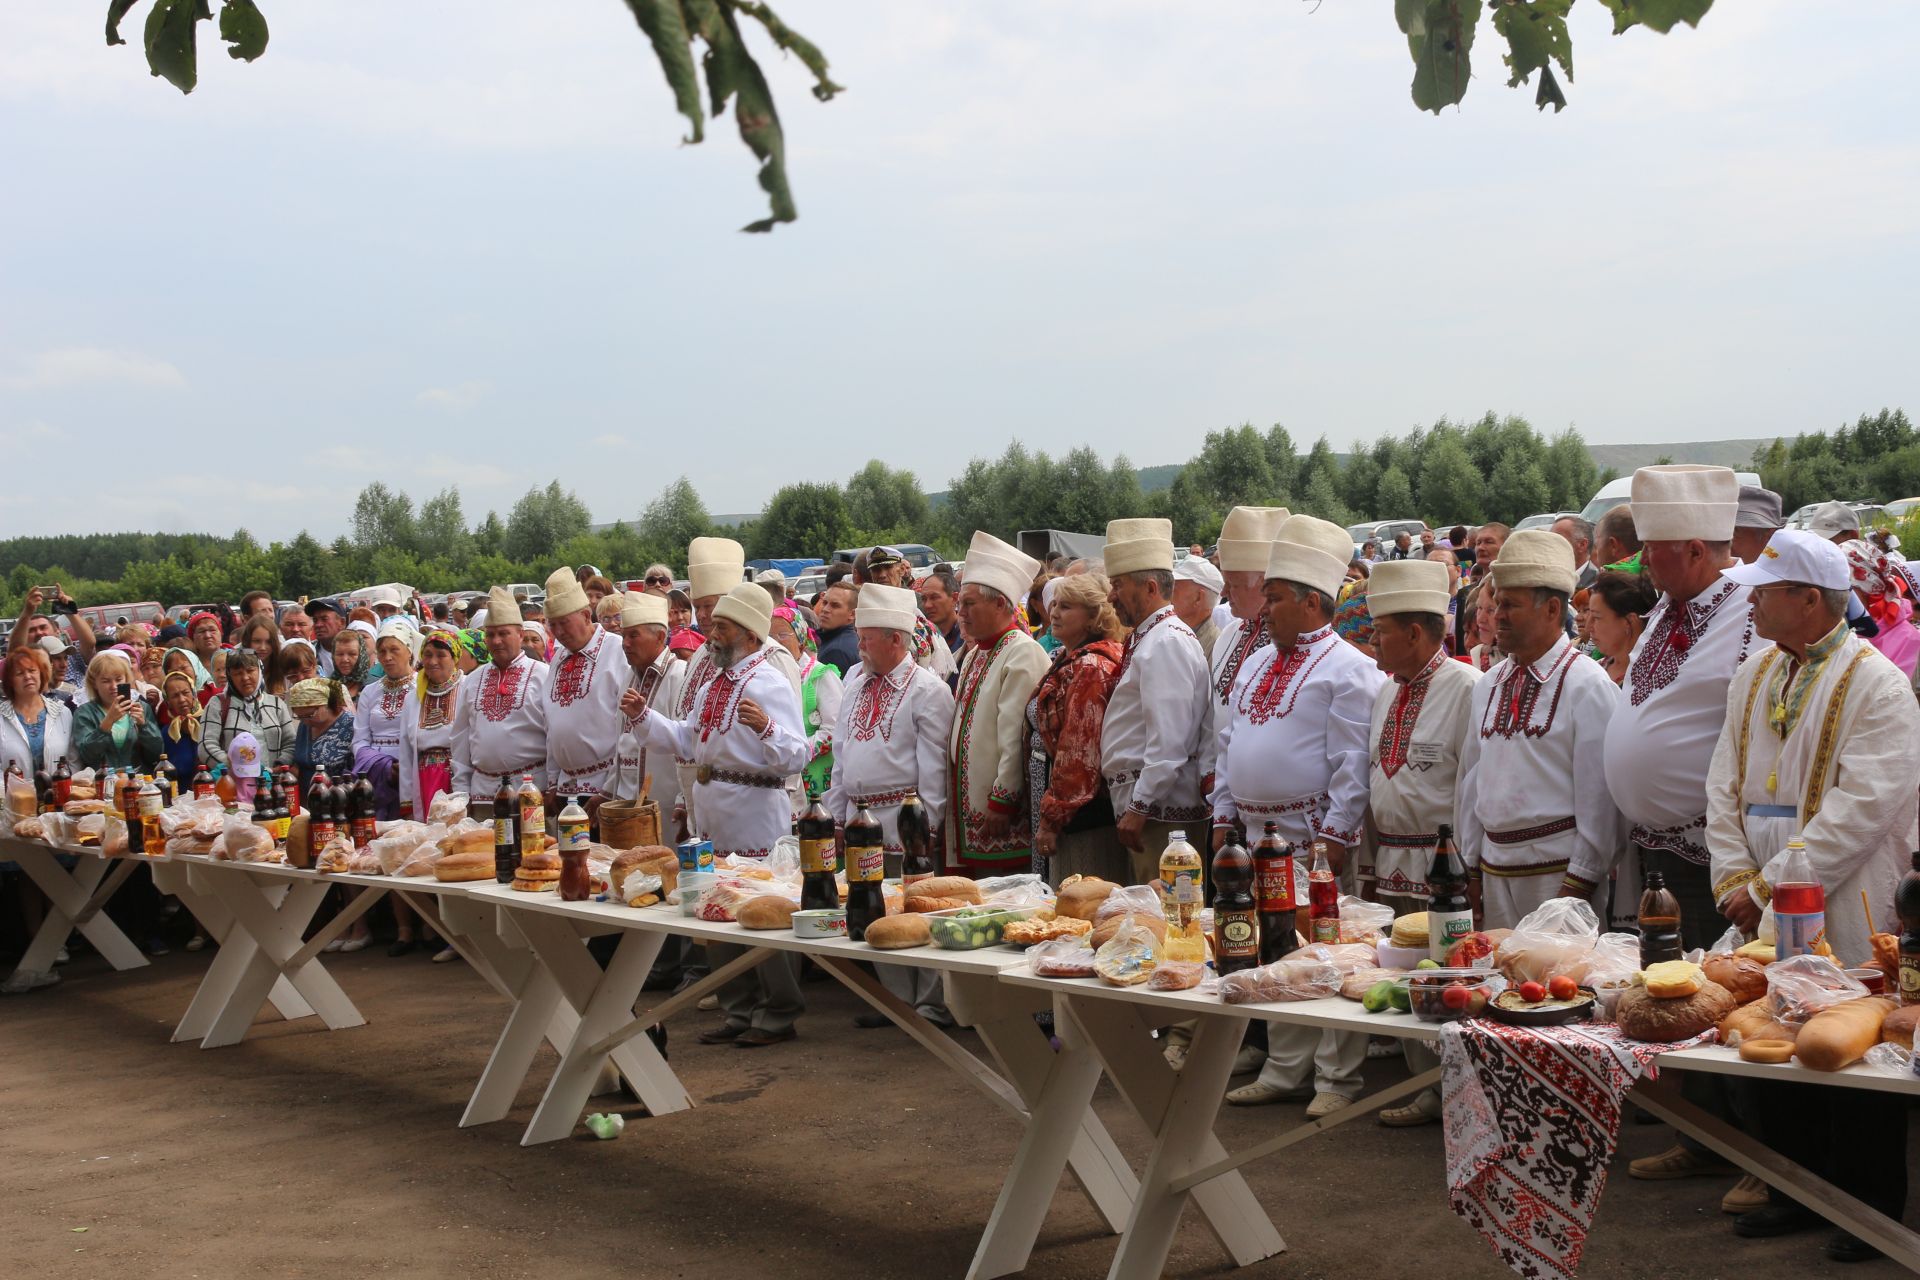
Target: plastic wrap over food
column 1802, row 986
column 1363, row 921
column 1061, row 958
column 1307, row 974
column 1133, row 899
column 448, row 808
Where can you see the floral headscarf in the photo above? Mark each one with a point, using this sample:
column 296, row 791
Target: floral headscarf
column 362, row 673
column 1353, row 620
column 187, row 725
column 475, row 643
column 791, row 616
column 1868, row 565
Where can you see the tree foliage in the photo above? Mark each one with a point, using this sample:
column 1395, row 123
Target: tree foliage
column 1877, row 459
column 542, row 520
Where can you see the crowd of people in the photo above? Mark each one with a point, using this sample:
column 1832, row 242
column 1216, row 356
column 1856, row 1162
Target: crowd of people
column 1677, row 688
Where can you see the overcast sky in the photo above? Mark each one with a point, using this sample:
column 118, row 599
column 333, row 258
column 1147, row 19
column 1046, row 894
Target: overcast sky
column 438, row 249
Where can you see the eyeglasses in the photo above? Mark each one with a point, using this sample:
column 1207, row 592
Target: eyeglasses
column 658, row 580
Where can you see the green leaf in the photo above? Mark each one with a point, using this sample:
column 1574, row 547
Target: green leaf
column 666, row 26
column 798, row 45
column 116, row 11
column 170, row 40
column 732, row 73
column 243, row 26
column 1656, row 15
column 1535, row 32
column 1550, row 92
column 1440, row 37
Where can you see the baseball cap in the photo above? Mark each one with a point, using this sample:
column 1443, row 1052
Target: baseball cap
column 1792, row 555
column 1830, row 518
column 1194, row 569
column 1759, row 508
column 54, row 645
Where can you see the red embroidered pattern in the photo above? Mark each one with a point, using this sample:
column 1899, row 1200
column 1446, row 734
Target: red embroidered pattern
column 1510, row 709
column 1526, row 835
column 1671, row 637
column 436, row 709
column 971, row 828
column 392, row 701
column 1262, row 700
column 1396, row 733
column 1251, row 634
column 724, row 691
column 697, row 676
column 502, row 692
column 575, row 675
column 880, row 698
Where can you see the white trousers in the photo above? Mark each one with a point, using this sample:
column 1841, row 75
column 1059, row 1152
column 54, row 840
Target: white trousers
column 1331, row 1059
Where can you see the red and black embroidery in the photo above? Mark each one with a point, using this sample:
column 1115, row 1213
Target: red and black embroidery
column 1511, row 708
column 697, row 676
column 1675, row 840
column 1527, row 835
column 393, row 701
column 721, row 706
column 1251, row 634
column 502, row 692
column 574, row 677
column 880, row 699
column 1264, row 697
column 1396, row 734
column 436, row 709
column 1671, row 637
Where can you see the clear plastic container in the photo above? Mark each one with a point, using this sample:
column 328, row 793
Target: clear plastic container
column 1427, row 992
column 973, row 928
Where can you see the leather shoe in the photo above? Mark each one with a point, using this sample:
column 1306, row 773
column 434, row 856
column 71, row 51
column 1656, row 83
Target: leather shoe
column 755, row 1038
column 1678, row 1162
column 1846, row 1247
column 1775, row 1220
column 871, row 1020
column 1259, row 1093
column 1748, row 1194
column 725, row 1033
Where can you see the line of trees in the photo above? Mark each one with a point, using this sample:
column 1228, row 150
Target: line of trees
column 1493, row 468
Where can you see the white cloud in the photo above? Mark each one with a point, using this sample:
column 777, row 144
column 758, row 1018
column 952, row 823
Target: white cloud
column 456, row 399
column 610, row 441
column 81, row 366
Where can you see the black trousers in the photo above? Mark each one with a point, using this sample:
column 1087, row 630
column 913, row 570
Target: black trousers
column 1854, row 1138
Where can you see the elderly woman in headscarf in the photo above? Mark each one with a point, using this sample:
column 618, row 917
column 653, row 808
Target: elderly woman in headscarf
column 533, row 639
column 426, row 748
column 187, row 663
column 180, row 709
column 820, row 694
column 1882, row 589
column 245, row 706
column 353, row 656
column 386, row 707
column 325, row 740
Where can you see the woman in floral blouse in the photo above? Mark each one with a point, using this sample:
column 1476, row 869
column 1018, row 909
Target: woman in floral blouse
column 1073, row 818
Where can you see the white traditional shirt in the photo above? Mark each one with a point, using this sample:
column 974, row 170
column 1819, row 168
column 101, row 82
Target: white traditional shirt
column 1418, row 734
column 502, row 731
column 891, row 738
column 380, row 724
column 583, row 714
column 987, row 751
column 429, row 735
column 740, row 776
column 1157, row 721
column 1293, row 749
column 700, row 669
column 656, row 684
column 1533, row 796
column 1843, row 776
column 1673, row 705
column 1238, row 640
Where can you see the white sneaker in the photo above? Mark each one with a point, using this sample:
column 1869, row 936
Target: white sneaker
column 1249, row 1060
column 60, row 957
column 355, row 944
column 1176, row 1055
column 1325, row 1104
column 24, row 980
column 708, row 1004
column 334, row 946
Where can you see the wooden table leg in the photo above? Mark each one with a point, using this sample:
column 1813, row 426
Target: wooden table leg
column 276, row 934
column 74, row 899
column 192, row 885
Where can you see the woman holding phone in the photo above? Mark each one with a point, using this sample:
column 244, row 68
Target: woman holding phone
column 114, row 728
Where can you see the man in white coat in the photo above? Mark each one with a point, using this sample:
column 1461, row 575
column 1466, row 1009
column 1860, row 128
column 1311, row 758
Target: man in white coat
column 501, row 725
column 654, row 677
column 745, row 739
column 890, row 743
column 1246, row 540
column 590, row 672
column 1293, row 752
column 1158, row 715
column 1821, row 740
column 1418, row 733
column 1533, row 814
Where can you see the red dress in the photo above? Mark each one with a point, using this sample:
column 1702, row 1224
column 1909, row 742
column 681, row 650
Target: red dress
column 1068, row 709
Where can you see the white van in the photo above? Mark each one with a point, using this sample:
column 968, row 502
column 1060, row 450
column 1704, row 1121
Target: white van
column 1615, row 492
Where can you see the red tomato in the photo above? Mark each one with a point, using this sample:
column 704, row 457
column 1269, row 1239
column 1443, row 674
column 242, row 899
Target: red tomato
column 1563, row 988
column 1456, row 996
column 1532, row 992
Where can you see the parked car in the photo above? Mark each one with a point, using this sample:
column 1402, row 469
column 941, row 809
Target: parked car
column 102, row 616
column 1544, row 520
column 1383, row 531
column 1869, row 513
column 1901, row 508
column 807, row 586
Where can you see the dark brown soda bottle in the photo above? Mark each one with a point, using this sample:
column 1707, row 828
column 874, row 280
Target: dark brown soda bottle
column 819, row 859
column 1279, row 905
column 866, row 868
column 1236, row 923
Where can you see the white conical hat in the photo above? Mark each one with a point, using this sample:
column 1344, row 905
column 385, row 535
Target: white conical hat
column 1246, row 538
column 564, row 593
column 1684, row 502
column 1007, row 569
column 714, row 566
column 1536, row 558
column 749, row 606
column 502, row 609
column 1312, row 552
column 1137, row 545
column 641, row 610
column 1408, row 586
column 895, row 608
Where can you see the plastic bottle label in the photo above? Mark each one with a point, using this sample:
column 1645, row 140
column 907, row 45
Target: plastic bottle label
column 866, row 863
column 1910, row 979
column 1799, row 934
column 817, row 856
column 1276, row 885
column 573, row 837
column 503, row 832
column 1444, row 929
column 1237, row 936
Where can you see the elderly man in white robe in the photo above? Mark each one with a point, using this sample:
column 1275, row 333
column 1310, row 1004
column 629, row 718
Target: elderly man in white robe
column 891, row 743
column 1158, row 714
column 746, row 739
column 1246, row 540
column 1821, row 740
column 653, row 676
column 1293, row 752
column 1533, row 814
column 583, row 696
column 500, row 728
column 1419, row 730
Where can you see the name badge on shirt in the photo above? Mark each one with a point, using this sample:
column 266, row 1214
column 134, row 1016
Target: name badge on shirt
column 1425, row 752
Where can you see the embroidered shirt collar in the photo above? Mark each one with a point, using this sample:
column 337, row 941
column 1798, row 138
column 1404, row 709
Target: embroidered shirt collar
column 1543, row 666
column 1307, row 639
column 1426, row 672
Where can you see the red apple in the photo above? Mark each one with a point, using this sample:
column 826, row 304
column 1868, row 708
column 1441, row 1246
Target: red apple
column 1532, row 992
column 1563, row 988
column 1476, row 1001
column 1456, row 996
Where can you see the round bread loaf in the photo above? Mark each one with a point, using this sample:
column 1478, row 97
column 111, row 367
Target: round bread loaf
column 895, row 933
column 464, row 866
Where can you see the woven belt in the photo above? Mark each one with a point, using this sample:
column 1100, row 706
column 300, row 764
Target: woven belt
column 598, row 766
column 514, row 772
column 707, row 773
column 436, row 755
column 1263, row 810
column 1772, row 811
column 1527, row 870
column 881, row 798
column 1526, row 835
column 1388, row 841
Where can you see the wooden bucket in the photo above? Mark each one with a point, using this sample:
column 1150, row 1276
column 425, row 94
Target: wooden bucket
column 628, row 826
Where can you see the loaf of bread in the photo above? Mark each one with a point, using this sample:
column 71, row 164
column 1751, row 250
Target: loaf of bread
column 768, row 911
column 896, row 933
column 468, row 840
column 1081, row 896
column 1745, row 977
column 652, row 858
column 960, row 887
column 464, row 866
column 1644, row 1016
column 538, row 873
column 923, row 902
column 1673, row 979
column 1898, row 1028
column 300, row 840
column 1755, row 1021
column 1104, row 931
column 1841, row 1035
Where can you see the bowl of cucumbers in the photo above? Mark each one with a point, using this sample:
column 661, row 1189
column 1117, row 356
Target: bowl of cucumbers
column 972, row 928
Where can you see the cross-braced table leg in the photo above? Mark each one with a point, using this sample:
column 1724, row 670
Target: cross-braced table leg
column 277, row 950
column 74, row 901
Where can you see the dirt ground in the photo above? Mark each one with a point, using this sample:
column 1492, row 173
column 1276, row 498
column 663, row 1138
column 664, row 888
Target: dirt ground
column 303, row 1152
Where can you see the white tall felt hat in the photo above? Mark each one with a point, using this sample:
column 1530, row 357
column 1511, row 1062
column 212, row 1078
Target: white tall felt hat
column 894, row 608
column 1246, row 538
column 714, row 566
column 1007, row 569
column 1535, row 558
column 1137, row 545
column 564, row 593
column 748, row 606
column 1407, row 586
column 1684, row 502
column 1312, row 552
column 502, row 609
column 642, row 610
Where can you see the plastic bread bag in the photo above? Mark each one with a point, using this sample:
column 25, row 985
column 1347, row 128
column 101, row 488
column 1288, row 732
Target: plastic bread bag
column 1023, row 890
column 1614, row 960
column 1890, row 1059
column 728, row 894
column 1363, row 921
column 1129, row 957
column 90, row 829
column 784, row 861
column 113, row 835
column 1802, row 986
column 1307, row 974
column 421, row 859
column 1061, row 958
column 1133, row 899
column 1177, row 975
column 448, row 808
column 1548, row 941
column 393, row 845
column 182, row 813
column 335, row 857
column 639, row 884
column 242, row 841
column 21, row 800
column 57, row 829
